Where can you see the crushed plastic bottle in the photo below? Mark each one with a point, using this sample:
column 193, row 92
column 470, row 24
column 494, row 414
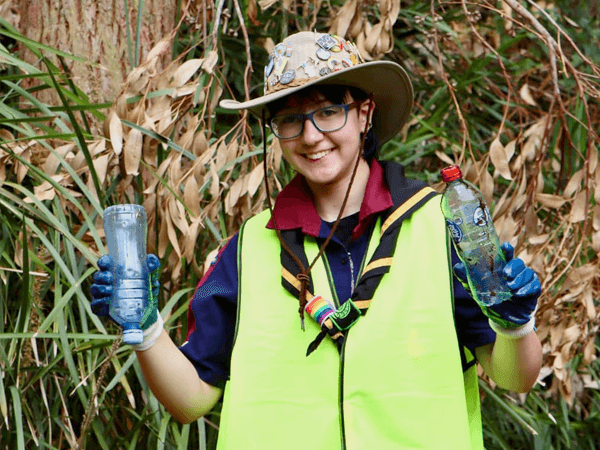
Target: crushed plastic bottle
column 475, row 238
column 125, row 227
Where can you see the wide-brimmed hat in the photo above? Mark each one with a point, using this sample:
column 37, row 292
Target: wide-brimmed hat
column 314, row 59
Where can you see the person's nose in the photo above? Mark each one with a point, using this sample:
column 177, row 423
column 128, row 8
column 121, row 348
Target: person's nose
column 310, row 135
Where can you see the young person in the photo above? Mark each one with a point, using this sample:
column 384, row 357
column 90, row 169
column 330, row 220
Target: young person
column 334, row 321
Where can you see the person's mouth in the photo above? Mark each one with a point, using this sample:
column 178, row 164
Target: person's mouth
column 318, row 155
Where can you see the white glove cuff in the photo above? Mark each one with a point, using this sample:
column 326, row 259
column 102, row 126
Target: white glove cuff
column 515, row 333
column 151, row 335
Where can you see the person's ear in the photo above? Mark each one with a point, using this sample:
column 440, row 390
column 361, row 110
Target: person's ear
column 366, row 109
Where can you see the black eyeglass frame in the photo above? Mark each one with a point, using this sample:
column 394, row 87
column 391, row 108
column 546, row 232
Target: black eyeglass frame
column 309, row 116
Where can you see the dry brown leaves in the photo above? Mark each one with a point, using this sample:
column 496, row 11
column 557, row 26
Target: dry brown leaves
column 372, row 40
column 350, row 21
column 555, row 234
column 194, row 181
column 548, row 212
column 186, row 189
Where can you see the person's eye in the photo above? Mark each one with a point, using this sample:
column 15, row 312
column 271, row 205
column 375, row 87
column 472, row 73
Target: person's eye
column 288, row 119
column 328, row 111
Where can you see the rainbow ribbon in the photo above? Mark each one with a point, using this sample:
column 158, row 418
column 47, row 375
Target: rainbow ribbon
column 320, row 309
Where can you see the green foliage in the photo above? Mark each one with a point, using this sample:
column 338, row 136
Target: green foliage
column 55, row 354
column 540, row 423
column 53, row 349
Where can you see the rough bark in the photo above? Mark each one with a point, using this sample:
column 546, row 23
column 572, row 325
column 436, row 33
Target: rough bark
column 96, row 30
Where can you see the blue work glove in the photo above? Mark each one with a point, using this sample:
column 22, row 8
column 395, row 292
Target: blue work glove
column 517, row 312
column 102, row 290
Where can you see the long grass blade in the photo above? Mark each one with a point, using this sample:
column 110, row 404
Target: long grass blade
column 34, row 45
column 138, row 31
column 3, row 402
column 516, row 416
column 80, row 138
column 18, row 413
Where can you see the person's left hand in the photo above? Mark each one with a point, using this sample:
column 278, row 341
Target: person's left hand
column 524, row 285
column 102, row 290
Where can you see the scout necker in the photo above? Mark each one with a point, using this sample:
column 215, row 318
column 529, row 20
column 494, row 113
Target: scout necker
column 333, row 319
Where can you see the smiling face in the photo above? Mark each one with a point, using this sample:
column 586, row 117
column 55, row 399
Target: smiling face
column 325, row 159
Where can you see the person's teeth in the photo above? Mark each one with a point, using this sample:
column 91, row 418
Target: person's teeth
column 319, row 155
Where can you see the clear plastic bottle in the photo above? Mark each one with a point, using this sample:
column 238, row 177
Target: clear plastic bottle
column 125, row 227
column 475, row 238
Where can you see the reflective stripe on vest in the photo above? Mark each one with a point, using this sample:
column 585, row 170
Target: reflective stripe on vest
column 398, row 383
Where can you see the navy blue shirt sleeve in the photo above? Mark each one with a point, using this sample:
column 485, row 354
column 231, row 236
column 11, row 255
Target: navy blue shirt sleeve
column 212, row 317
column 472, row 325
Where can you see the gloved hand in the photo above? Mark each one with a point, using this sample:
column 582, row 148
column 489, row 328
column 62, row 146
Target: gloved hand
column 513, row 317
column 102, row 289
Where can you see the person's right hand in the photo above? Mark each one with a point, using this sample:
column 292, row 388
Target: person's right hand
column 102, row 290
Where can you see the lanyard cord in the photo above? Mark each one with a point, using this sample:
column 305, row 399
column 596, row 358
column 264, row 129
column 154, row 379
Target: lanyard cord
column 304, row 275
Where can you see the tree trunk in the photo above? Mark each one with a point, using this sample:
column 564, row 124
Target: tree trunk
column 103, row 32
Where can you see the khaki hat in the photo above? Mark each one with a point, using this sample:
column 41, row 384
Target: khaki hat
column 314, row 59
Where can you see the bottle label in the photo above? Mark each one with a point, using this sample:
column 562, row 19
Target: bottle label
column 455, row 230
column 480, row 218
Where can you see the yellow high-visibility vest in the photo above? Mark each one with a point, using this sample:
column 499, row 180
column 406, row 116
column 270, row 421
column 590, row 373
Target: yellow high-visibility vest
column 397, row 383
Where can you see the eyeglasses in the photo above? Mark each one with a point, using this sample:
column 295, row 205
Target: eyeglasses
column 327, row 119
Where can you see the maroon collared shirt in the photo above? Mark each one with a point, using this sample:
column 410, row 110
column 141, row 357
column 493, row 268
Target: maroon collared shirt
column 294, row 207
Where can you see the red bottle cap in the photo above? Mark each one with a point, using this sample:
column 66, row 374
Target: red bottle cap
column 451, row 173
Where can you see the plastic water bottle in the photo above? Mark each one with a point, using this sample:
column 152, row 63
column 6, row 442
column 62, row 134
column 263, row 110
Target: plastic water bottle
column 475, row 238
column 125, row 227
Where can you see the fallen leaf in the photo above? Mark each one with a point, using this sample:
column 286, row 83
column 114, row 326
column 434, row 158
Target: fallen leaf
column 235, row 192
column 44, row 191
column 186, row 71
column 160, row 48
column 486, row 185
column 163, row 237
column 550, row 200
column 200, row 144
column 191, row 195
column 101, row 167
column 132, row 152
column 444, row 157
column 210, row 258
column 214, row 182
column 597, row 184
column 525, row 94
column 173, row 236
column 574, row 184
column 500, row 159
column 593, row 161
column 191, row 238
column 360, row 42
column 596, row 217
column 373, row 37
column 588, row 301
column 507, row 14
column 116, row 133
column 210, row 61
column 539, row 239
column 589, row 355
column 266, row 4
column 578, row 208
column 343, row 18
column 255, row 178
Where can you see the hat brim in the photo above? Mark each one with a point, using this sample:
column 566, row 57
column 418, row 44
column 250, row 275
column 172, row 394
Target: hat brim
column 387, row 81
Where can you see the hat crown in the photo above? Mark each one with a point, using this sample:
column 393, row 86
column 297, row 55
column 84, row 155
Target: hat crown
column 308, row 56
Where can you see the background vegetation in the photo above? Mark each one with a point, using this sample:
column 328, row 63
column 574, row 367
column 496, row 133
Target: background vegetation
column 508, row 89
